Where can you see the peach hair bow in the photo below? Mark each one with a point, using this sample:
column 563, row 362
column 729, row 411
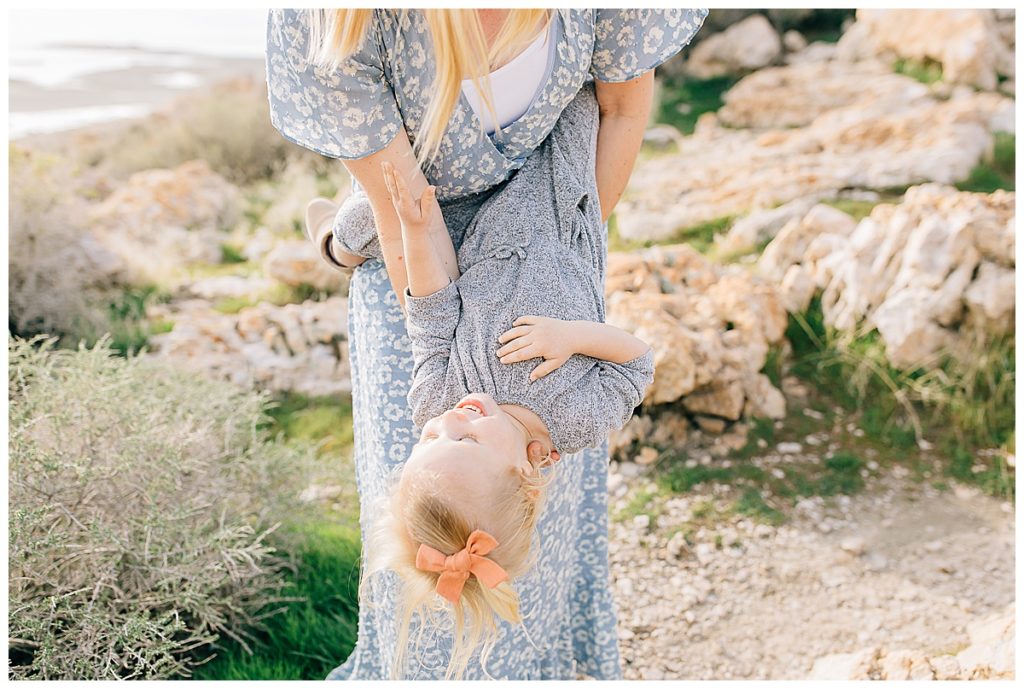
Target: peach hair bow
column 455, row 569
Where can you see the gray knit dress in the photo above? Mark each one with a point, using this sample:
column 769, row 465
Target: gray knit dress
column 536, row 247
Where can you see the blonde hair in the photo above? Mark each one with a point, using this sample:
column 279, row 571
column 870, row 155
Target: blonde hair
column 419, row 513
column 460, row 51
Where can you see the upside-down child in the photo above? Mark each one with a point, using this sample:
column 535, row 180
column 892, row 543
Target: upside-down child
column 513, row 367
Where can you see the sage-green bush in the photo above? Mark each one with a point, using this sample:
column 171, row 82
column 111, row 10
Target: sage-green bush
column 141, row 499
column 58, row 277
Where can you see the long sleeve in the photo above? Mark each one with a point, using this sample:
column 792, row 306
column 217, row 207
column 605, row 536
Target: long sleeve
column 608, row 404
column 431, row 322
column 355, row 228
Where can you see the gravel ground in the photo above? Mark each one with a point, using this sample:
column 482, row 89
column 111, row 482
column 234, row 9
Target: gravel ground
column 899, row 565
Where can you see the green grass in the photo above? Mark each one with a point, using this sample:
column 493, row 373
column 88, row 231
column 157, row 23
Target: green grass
column 926, row 71
column 753, row 505
column 312, row 635
column 129, row 328
column 326, row 420
column 230, row 254
column 700, row 236
column 996, row 173
column 683, row 100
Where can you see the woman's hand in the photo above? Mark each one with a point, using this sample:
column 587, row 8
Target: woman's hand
column 537, row 337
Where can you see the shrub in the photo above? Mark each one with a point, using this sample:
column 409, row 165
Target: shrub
column 228, row 126
column 59, row 278
column 141, row 499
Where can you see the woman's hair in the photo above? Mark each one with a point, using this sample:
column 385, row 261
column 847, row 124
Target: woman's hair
column 460, row 52
column 416, row 512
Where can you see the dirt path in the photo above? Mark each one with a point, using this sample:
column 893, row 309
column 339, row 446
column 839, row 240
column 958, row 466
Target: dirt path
column 898, row 565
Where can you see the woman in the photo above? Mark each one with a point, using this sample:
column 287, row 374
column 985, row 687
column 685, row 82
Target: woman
column 368, row 111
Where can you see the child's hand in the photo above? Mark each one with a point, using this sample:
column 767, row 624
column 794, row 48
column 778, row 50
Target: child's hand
column 537, row 336
column 414, row 214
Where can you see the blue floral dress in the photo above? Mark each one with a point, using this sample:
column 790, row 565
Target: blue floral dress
column 357, row 110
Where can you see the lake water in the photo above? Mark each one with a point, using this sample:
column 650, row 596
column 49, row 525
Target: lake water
column 72, row 67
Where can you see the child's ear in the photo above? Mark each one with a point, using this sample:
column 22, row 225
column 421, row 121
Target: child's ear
column 535, row 452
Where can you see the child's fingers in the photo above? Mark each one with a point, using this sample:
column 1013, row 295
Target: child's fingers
column 514, row 346
column 545, row 368
column 512, row 334
column 427, row 202
column 525, row 320
column 524, row 354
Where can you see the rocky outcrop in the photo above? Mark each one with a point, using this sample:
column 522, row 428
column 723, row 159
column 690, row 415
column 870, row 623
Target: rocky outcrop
column 970, row 44
column 161, row 220
column 897, row 137
column 710, row 328
column 990, row 655
column 297, row 262
column 749, row 44
column 925, row 272
column 295, row 347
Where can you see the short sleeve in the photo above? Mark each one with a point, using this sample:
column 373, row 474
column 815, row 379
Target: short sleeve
column 628, row 43
column 346, row 113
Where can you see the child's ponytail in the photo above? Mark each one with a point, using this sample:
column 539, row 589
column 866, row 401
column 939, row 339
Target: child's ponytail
column 416, row 521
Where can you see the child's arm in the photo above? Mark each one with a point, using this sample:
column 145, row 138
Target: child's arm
column 423, row 246
column 556, row 340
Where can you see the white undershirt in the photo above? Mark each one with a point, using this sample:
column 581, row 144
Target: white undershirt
column 515, row 85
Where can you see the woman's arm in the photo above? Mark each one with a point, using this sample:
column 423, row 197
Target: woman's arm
column 425, row 271
column 367, row 171
column 625, row 108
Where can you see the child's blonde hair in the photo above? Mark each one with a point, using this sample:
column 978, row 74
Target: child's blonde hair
column 414, row 513
column 460, row 50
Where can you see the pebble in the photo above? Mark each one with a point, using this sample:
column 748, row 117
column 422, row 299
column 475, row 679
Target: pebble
column 642, row 521
column 789, row 448
column 853, row 545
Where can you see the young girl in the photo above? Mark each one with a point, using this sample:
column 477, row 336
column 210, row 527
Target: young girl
column 512, row 366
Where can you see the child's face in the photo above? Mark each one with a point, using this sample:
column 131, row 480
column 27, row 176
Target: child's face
column 474, row 452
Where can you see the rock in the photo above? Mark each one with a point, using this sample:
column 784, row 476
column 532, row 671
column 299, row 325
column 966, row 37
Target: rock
column 991, row 296
column 296, row 347
column 160, row 221
column 842, row 666
column 797, row 289
column 853, row 545
column 797, row 94
column 710, row 424
column 671, row 430
column 743, row 47
column 725, row 400
column 789, row 448
column 662, row 137
column 991, row 653
column 967, row 43
column 638, row 428
column 896, row 665
column 762, row 225
column 909, row 270
column 921, row 670
column 297, row 262
column 646, row 456
column 642, row 521
column 794, row 41
column 945, row 667
column 887, row 142
column 227, row 286
column 708, row 326
column 763, row 399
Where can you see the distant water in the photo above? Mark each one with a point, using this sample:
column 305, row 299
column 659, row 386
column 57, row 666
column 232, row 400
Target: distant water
column 73, row 67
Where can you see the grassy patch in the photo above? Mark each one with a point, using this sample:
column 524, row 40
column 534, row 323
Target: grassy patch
column 230, row 254
column 998, row 172
column 313, row 633
column 324, row 420
column 926, row 71
column 129, row 329
column 642, row 502
column 683, row 100
column 700, row 236
column 753, row 505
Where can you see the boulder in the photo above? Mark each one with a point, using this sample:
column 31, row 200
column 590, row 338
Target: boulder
column 749, row 44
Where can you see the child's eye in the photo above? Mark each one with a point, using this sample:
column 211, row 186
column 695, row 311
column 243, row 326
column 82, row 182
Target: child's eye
column 428, row 436
column 470, row 437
